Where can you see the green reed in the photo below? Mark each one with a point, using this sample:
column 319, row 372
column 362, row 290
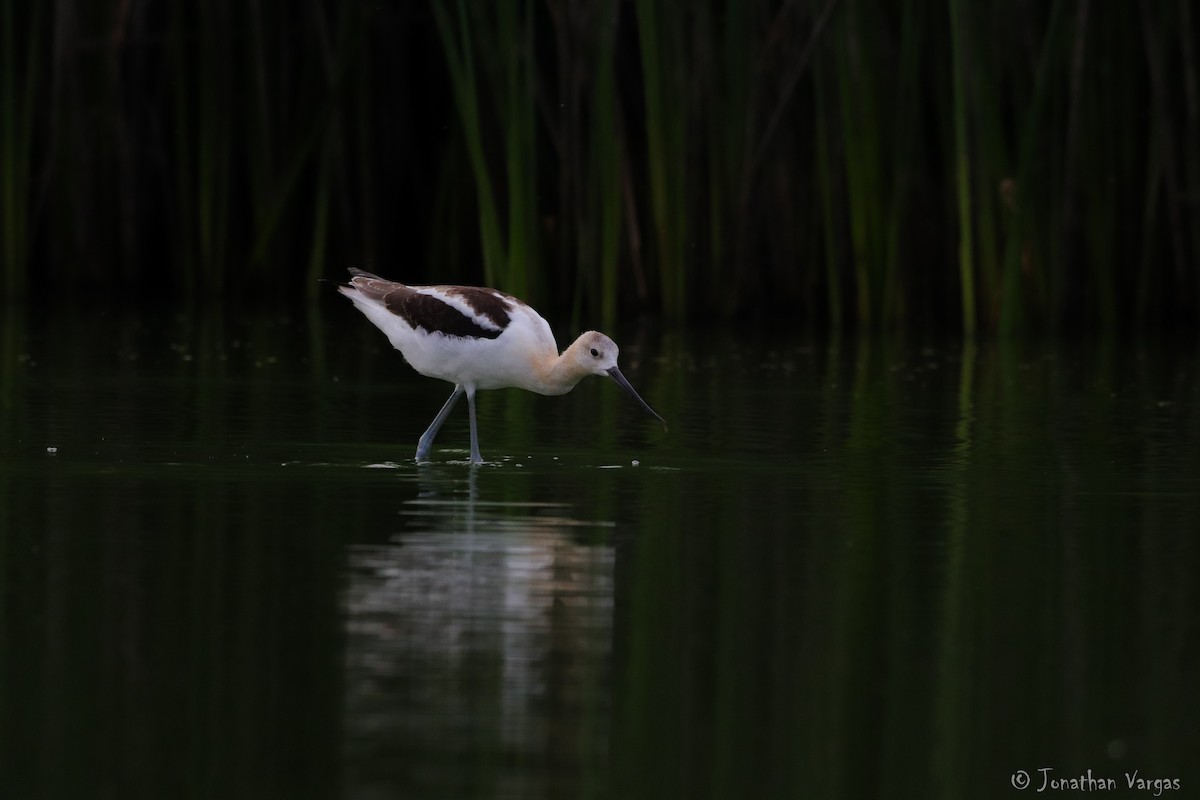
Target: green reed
column 20, row 85
column 663, row 49
column 604, row 210
column 962, row 171
column 1190, row 70
column 243, row 147
column 213, row 140
column 974, row 167
column 508, row 258
column 903, row 159
column 1168, row 207
column 725, row 31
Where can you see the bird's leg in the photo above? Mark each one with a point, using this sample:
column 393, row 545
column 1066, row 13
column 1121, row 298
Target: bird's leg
column 426, row 440
column 475, row 457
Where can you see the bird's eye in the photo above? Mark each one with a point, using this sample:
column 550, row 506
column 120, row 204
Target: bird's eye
column 595, row 353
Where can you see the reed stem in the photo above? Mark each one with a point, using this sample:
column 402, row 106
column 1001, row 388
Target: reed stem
column 966, row 166
column 962, row 172
column 17, row 111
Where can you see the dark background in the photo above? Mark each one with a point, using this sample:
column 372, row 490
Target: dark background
column 1006, row 166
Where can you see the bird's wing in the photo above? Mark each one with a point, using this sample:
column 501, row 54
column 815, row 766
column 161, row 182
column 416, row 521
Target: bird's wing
column 469, row 312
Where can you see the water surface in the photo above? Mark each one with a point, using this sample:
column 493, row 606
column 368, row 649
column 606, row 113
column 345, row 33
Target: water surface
column 849, row 568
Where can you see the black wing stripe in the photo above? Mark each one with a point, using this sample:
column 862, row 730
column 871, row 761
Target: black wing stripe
column 485, row 302
column 434, row 315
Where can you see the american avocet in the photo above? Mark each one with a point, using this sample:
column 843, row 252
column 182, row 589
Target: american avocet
column 479, row 338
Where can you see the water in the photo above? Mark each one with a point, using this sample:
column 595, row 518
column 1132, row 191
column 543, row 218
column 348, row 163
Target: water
column 851, row 569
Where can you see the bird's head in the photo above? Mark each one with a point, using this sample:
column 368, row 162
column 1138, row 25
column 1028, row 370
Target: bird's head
column 596, row 354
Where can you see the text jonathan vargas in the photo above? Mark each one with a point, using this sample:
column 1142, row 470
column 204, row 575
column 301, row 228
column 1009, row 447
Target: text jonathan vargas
column 1090, row 783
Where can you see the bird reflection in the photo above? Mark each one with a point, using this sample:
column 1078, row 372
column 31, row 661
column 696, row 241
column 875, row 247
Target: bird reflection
column 484, row 627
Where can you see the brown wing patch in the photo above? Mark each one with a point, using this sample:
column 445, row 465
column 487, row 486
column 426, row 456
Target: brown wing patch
column 434, row 315
column 431, row 313
column 485, row 302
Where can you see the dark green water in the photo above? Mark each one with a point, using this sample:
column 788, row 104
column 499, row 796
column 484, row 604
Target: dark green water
column 866, row 569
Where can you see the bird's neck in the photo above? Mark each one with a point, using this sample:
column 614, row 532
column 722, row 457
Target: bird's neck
column 559, row 374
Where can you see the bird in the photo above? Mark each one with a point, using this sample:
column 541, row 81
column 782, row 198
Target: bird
column 479, row 338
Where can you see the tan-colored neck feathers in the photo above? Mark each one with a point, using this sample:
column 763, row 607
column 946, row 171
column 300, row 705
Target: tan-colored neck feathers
column 558, row 374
